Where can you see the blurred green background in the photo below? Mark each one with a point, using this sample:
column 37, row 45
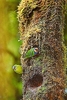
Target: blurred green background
column 10, row 82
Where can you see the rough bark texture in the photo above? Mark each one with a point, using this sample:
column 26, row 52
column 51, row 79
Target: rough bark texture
column 41, row 24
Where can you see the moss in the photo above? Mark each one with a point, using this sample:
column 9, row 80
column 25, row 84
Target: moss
column 43, row 70
column 43, row 89
column 65, row 52
column 45, row 31
column 26, row 8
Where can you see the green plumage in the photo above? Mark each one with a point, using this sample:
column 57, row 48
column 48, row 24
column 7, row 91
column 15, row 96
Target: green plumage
column 18, row 69
column 30, row 53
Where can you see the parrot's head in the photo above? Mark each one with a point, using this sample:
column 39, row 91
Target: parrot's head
column 17, row 69
column 36, row 50
column 14, row 67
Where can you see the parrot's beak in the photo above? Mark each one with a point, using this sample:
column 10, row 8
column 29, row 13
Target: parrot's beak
column 14, row 67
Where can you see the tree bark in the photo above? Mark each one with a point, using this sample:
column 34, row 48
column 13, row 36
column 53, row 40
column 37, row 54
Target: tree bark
column 41, row 25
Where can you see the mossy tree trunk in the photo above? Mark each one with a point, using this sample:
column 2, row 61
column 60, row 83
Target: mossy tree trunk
column 41, row 25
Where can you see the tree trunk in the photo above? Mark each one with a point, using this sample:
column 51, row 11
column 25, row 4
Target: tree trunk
column 41, row 25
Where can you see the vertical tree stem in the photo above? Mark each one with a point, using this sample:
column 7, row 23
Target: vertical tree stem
column 41, row 22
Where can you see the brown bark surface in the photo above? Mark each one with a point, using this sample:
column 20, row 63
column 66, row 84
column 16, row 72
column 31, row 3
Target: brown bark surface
column 41, row 24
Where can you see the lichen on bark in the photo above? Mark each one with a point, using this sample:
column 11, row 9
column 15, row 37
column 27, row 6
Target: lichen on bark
column 41, row 25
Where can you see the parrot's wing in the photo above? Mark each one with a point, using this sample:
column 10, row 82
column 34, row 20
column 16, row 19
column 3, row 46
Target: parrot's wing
column 30, row 53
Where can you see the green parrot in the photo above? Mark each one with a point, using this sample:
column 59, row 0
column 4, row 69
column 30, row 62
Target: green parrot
column 18, row 69
column 32, row 52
